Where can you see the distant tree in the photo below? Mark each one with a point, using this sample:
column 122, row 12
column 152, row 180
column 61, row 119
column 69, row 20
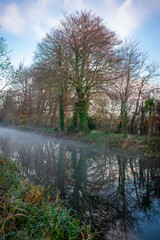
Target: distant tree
column 6, row 68
column 133, row 74
column 157, row 117
column 9, row 107
column 46, row 98
column 149, row 105
column 51, row 55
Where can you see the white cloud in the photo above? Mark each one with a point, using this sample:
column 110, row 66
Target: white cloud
column 36, row 17
column 74, row 4
column 125, row 18
column 28, row 17
column 33, row 18
column 11, row 20
column 39, row 17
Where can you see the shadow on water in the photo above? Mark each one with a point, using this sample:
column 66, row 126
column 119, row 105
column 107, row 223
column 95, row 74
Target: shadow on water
column 117, row 194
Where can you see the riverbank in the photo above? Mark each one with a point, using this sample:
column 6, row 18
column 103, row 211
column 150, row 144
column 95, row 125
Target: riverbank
column 132, row 144
column 26, row 211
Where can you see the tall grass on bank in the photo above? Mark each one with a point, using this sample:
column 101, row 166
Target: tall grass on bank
column 26, row 213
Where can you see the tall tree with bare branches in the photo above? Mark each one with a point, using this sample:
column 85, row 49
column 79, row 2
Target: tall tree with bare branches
column 81, row 55
column 90, row 54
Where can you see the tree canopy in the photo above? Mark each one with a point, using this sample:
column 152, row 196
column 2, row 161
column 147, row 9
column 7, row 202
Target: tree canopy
column 83, row 75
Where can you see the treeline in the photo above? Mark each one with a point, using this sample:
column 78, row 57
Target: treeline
column 84, row 77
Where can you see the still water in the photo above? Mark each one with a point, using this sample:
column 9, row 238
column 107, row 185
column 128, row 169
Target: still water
column 116, row 193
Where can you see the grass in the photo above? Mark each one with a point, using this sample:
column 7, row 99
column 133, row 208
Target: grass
column 132, row 143
column 26, row 212
column 153, row 148
column 100, row 137
column 111, row 139
column 38, row 129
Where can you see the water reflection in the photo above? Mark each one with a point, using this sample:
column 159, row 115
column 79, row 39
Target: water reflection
column 115, row 193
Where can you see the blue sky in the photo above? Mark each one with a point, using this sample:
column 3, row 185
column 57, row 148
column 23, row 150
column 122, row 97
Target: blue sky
column 25, row 22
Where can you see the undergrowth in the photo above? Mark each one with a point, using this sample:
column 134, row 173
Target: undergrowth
column 27, row 213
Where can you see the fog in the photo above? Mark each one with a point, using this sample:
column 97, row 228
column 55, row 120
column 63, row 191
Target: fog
column 116, row 193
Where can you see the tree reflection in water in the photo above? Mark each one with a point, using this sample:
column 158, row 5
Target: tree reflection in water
column 113, row 192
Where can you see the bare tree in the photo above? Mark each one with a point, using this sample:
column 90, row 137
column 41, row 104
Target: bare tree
column 90, row 54
column 51, row 54
column 6, row 69
column 80, row 55
column 135, row 71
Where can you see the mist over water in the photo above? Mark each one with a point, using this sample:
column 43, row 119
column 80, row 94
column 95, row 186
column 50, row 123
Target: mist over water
column 116, row 193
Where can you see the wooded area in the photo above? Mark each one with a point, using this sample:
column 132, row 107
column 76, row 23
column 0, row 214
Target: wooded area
column 83, row 77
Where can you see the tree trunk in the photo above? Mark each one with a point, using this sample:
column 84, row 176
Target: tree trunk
column 125, row 124
column 83, row 115
column 53, row 116
column 82, row 106
column 150, row 123
column 142, row 120
column 61, row 111
column 133, row 120
column 132, row 123
column 135, row 113
column 75, row 116
column 123, row 121
column 121, row 116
